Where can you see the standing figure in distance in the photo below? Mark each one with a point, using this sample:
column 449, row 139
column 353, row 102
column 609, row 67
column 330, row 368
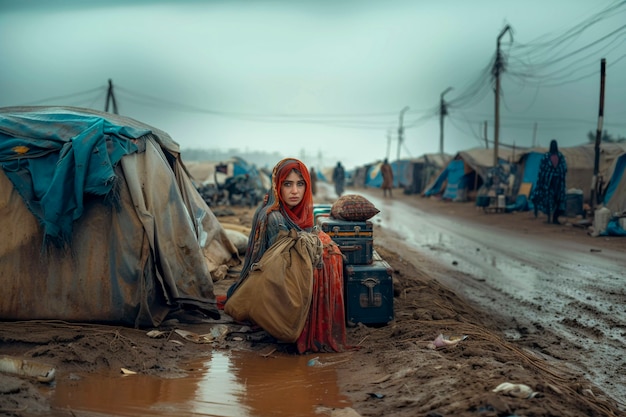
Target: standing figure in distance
column 289, row 205
column 339, row 178
column 387, row 174
column 548, row 195
column 313, row 181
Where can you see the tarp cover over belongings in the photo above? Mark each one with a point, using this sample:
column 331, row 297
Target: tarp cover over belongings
column 101, row 222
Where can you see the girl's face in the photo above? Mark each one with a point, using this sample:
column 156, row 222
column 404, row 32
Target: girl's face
column 292, row 189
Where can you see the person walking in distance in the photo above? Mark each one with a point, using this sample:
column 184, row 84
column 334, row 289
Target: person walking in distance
column 548, row 195
column 387, row 174
column 339, row 178
column 313, row 181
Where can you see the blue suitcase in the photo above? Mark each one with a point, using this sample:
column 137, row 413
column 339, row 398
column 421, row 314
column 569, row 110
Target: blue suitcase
column 368, row 292
column 321, row 210
column 354, row 238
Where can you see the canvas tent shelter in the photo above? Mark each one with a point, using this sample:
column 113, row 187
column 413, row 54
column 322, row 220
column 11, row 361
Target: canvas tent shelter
column 614, row 194
column 374, row 176
column 466, row 172
column 101, row 222
column 580, row 166
column 421, row 171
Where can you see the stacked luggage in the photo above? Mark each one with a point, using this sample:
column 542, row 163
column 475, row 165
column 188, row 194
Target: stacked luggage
column 367, row 277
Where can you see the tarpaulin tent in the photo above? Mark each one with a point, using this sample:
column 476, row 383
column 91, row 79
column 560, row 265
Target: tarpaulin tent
column 421, row 171
column 466, row 172
column 614, row 194
column 101, row 221
column 374, row 176
column 580, row 165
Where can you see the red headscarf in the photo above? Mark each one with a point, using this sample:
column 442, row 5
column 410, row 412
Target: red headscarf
column 302, row 214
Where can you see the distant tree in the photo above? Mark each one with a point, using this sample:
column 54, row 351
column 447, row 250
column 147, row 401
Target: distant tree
column 605, row 137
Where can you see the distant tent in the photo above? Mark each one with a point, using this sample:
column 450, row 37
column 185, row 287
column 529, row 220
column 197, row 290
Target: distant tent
column 580, row 166
column 374, row 178
column 466, row 173
column 134, row 239
column 615, row 191
column 320, row 175
column 359, row 178
column 421, row 171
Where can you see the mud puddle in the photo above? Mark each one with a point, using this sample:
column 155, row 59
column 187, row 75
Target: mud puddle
column 226, row 384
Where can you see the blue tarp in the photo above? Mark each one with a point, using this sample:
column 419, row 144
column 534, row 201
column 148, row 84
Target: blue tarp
column 456, row 180
column 55, row 159
column 531, row 172
column 616, row 178
column 437, row 186
column 374, row 178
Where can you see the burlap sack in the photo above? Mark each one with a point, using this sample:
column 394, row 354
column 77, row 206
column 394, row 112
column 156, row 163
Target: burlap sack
column 277, row 293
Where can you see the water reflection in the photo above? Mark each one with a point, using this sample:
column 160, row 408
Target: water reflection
column 228, row 384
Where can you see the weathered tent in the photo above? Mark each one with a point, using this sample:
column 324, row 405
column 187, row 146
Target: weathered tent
column 374, row 177
column 101, row 222
column 360, row 176
column 614, row 194
column 421, row 171
column 580, row 165
column 466, row 172
column 206, row 172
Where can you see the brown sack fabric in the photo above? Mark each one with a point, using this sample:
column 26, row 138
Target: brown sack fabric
column 277, row 293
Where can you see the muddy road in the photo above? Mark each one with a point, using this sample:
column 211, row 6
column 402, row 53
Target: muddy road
column 557, row 296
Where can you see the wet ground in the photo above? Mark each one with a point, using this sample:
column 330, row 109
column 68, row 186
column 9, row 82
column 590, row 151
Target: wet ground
column 522, row 325
column 572, row 289
column 224, row 384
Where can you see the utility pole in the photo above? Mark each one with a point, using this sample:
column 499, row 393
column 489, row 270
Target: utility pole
column 498, row 66
column 534, row 134
column 443, row 111
column 111, row 98
column 596, row 160
column 486, row 135
column 401, row 130
column 388, row 143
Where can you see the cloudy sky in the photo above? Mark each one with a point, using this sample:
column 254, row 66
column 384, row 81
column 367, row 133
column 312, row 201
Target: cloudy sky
column 325, row 79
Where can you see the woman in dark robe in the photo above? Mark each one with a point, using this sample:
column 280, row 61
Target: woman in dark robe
column 548, row 195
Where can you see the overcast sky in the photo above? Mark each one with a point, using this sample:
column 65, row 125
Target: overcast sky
column 330, row 78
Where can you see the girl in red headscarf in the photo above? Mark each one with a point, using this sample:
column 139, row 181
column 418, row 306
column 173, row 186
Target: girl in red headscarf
column 289, row 205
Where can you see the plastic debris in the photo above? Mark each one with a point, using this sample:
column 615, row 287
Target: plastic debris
column 516, row 390
column 442, row 341
column 40, row 371
column 217, row 332
column 314, row 362
column 128, row 371
column 156, row 334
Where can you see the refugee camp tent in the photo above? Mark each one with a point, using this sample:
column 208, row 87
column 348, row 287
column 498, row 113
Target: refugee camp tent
column 374, row 176
column 101, row 222
column 321, row 177
column 360, row 175
column 421, row 171
column 466, row 172
column 614, row 194
column 580, row 166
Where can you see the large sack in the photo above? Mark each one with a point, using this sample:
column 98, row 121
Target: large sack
column 277, row 293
